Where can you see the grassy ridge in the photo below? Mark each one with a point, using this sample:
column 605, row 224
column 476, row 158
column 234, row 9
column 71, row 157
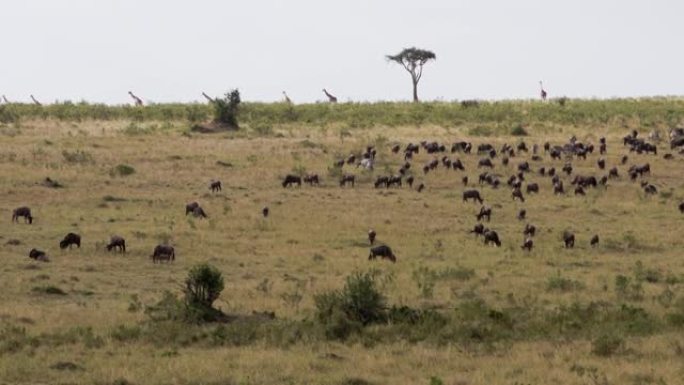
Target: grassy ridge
column 626, row 113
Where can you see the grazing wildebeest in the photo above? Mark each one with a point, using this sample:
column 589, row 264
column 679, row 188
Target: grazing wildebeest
column 529, row 230
column 394, row 180
column 542, row 171
column 649, row 188
column 492, row 153
column 465, row 180
column 584, row 181
column 624, row 159
column 198, row 212
column 70, row 240
column 668, row 156
column 547, row 146
column 472, row 194
column 568, row 239
column 118, row 242
column 485, row 147
column 291, row 180
column 602, row 148
column 522, row 214
column 396, row 148
column 345, row 179
column 613, row 173
column 457, row 165
column 351, row 159
column 311, row 179
column 371, row 236
column 38, row 255
column 381, row 181
column 579, row 190
column 567, row 168
column 265, row 212
column 479, row 229
column 641, row 170
column 536, row 158
column 527, row 244
column 677, row 142
column 551, row 172
column 532, row 188
column 491, row 236
column 555, row 154
column 524, row 167
column 163, row 252
column 485, row 211
column 601, row 163
column 421, row 187
column 522, row 147
column 604, row 181
column 22, row 212
column 382, row 251
column 215, row 186
column 190, row 207
column 504, row 161
column 517, row 193
column 594, row 241
column 558, row 188
column 461, row 146
column 485, row 162
column 409, row 181
column 339, row 163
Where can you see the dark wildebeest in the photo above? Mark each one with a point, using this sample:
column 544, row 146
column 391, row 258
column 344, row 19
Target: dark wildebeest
column 649, row 188
column 624, row 159
column 461, row 146
column 529, row 230
column 594, row 241
column 311, row 179
column 371, row 236
column 641, row 170
column 567, row 168
column 681, row 207
column 491, row 236
column 492, row 153
column 485, row 211
column 522, row 147
column 465, row 180
column 38, row 255
column 345, row 179
column 479, row 229
column 396, row 148
column 163, row 252
column 382, row 251
column 552, row 171
column 421, row 187
column 568, row 239
column 292, row 179
column 265, row 212
column 584, row 181
column 527, row 244
column 485, row 147
column 668, row 156
column 579, row 190
column 472, row 194
column 542, row 171
column 602, row 148
column 381, row 181
column 409, row 181
column 339, row 163
column 22, row 212
column 536, row 158
column 517, row 193
column 70, row 240
column 601, row 163
column 485, row 162
column 522, row 214
column 524, row 167
column 118, row 242
column 604, row 181
column 190, row 207
column 457, row 165
column 215, row 186
column 198, row 212
column 613, row 173
column 558, row 188
column 547, row 146
column 677, row 142
column 504, row 161
column 532, row 188
column 394, row 180
column 351, row 159
column 555, row 154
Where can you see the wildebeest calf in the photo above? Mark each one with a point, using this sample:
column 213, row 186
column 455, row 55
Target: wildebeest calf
column 382, row 251
column 517, row 193
column 527, row 244
column 371, row 236
column 311, row 179
column 681, row 207
column 529, row 230
column 215, row 186
column 38, row 255
column 163, row 252
column 118, row 242
column 22, row 212
column 485, row 211
column 479, row 229
column 568, row 239
column 70, row 240
column 522, row 214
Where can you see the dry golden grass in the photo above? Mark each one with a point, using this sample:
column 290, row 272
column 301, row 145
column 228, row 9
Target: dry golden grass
column 312, row 240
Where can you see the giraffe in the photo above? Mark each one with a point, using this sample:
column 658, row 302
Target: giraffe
column 4, row 99
column 138, row 101
column 287, row 99
column 331, row 98
column 36, row 102
column 543, row 91
column 209, row 98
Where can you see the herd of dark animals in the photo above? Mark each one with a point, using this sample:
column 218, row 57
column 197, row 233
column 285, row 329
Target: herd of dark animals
column 571, row 149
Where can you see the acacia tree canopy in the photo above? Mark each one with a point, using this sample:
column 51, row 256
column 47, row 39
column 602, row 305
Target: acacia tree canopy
column 413, row 59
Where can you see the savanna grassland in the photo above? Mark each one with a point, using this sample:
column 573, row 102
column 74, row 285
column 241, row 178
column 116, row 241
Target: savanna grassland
column 477, row 315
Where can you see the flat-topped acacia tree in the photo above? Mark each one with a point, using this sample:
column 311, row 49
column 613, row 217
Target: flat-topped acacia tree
column 413, row 59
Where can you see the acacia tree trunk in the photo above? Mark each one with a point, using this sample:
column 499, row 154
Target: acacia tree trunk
column 415, row 91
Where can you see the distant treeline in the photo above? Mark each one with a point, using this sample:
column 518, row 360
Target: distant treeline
column 644, row 113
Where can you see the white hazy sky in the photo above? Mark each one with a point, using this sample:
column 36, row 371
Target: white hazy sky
column 172, row 50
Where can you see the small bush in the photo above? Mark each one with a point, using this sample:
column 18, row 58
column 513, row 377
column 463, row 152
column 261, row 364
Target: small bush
column 52, row 290
column 606, row 345
column 559, row 283
column 77, row 157
column 122, row 170
column 203, row 285
column 519, row 130
column 226, row 109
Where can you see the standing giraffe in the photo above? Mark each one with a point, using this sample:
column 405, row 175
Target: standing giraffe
column 209, row 98
column 4, row 99
column 543, row 92
column 138, row 101
column 36, row 102
column 331, row 98
column 287, row 99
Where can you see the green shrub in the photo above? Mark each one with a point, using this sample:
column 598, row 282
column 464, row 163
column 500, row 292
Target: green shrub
column 203, row 285
column 559, row 283
column 226, row 109
column 519, row 130
column 606, row 345
column 122, row 170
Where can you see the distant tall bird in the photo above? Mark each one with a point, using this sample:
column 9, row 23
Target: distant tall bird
column 138, row 101
column 543, row 91
column 287, row 98
column 209, row 98
column 36, row 102
column 331, row 97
